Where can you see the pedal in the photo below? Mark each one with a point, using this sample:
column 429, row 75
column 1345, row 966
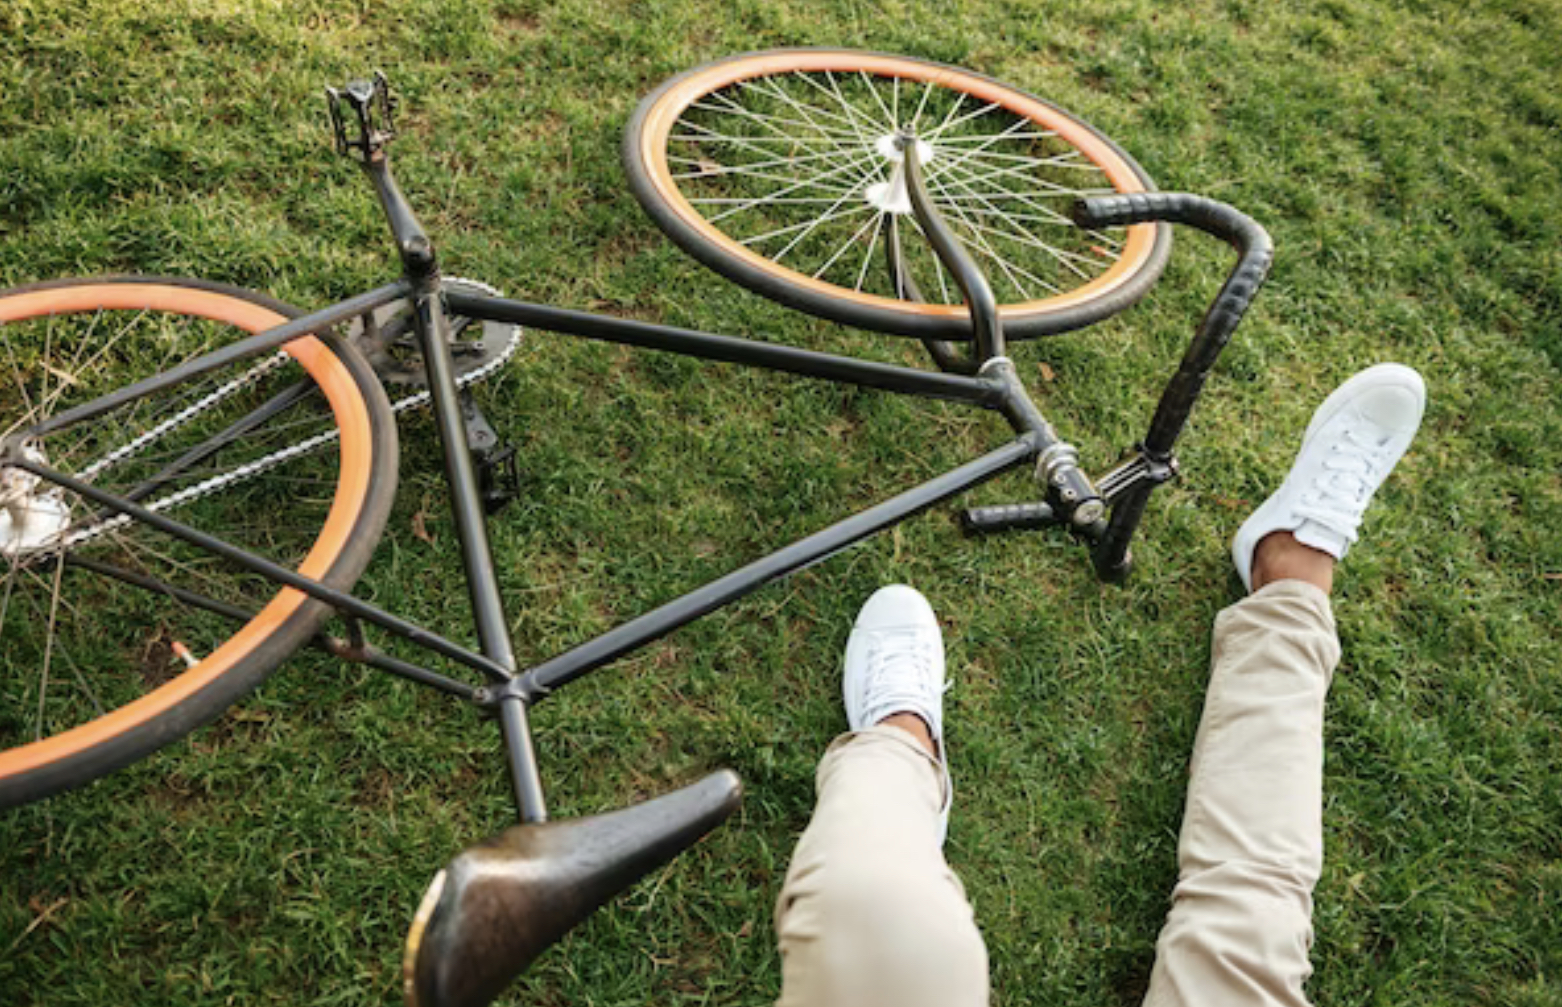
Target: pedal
column 362, row 117
column 498, row 478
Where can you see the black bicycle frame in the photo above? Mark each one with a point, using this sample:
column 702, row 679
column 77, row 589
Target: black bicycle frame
column 986, row 380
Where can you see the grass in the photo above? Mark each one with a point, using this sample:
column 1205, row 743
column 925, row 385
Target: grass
column 1402, row 154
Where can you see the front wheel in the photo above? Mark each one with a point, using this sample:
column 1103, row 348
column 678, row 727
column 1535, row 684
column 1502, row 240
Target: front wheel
column 782, row 171
column 119, row 639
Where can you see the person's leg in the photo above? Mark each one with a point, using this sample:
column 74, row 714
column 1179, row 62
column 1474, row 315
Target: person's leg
column 1251, row 847
column 870, row 914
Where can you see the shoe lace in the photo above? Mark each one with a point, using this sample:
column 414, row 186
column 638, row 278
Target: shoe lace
column 1339, row 494
column 901, row 676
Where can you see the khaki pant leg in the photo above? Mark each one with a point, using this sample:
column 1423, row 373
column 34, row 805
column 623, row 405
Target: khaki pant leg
column 870, row 914
column 1251, row 848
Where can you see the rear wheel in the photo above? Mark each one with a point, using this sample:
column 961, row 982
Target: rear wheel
column 120, row 639
column 781, row 171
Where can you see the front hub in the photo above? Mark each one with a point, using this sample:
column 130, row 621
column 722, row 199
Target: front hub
column 891, row 196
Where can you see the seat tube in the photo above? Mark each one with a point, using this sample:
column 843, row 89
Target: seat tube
column 472, row 531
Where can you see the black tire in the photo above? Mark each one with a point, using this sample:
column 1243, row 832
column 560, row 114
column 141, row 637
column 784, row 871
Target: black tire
column 342, row 546
column 657, row 187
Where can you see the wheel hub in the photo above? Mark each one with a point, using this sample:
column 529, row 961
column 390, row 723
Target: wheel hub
column 29, row 519
column 891, row 196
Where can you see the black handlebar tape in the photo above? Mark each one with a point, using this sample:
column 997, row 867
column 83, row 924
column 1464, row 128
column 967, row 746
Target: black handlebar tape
column 1256, row 252
column 1224, row 222
column 1006, row 517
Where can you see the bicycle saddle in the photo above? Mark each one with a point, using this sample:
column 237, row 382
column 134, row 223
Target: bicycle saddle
column 501, row 903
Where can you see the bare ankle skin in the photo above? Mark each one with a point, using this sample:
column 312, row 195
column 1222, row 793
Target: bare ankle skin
column 914, row 726
column 1280, row 557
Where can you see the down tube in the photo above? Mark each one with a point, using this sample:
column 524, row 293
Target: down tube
column 572, row 664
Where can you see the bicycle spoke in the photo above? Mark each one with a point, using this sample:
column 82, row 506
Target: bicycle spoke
column 138, row 550
column 983, row 155
column 808, row 112
column 833, row 132
column 48, row 646
column 938, row 265
column 21, row 386
column 966, row 155
column 816, row 222
column 763, row 121
column 959, row 101
column 834, row 136
column 1021, row 171
column 890, row 121
column 728, row 200
column 963, row 180
column 75, row 669
column 807, row 225
column 1022, row 235
column 108, row 344
column 43, row 362
column 711, row 136
column 10, row 582
column 987, row 198
column 40, row 581
column 992, row 254
column 744, row 169
column 979, row 137
column 851, row 117
column 816, row 182
column 964, row 118
column 916, row 117
column 842, row 250
column 867, row 256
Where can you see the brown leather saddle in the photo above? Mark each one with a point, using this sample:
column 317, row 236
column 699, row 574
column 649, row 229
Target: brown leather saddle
column 501, row 903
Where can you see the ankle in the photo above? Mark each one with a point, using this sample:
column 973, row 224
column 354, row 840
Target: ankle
column 1280, row 557
column 914, row 726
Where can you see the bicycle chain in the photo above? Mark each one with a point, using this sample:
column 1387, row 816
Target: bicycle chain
column 173, row 423
column 251, row 469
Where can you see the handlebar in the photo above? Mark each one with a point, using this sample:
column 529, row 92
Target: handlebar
column 1256, row 252
column 1255, row 255
column 1127, row 488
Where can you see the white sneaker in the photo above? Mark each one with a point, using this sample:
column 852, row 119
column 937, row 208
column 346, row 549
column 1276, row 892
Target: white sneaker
column 895, row 664
column 1353, row 442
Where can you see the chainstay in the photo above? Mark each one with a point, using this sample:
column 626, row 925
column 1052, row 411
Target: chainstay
column 261, row 465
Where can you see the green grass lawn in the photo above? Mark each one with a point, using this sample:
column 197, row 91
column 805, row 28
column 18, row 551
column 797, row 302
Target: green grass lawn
column 1403, row 155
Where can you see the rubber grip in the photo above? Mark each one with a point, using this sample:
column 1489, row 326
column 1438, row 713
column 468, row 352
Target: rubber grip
column 1006, row 517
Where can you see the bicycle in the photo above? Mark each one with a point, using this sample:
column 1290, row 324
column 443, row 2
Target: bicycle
column 796, row 173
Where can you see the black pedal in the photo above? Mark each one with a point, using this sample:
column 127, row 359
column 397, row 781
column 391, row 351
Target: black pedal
column 362, row 117
column 498, row 478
